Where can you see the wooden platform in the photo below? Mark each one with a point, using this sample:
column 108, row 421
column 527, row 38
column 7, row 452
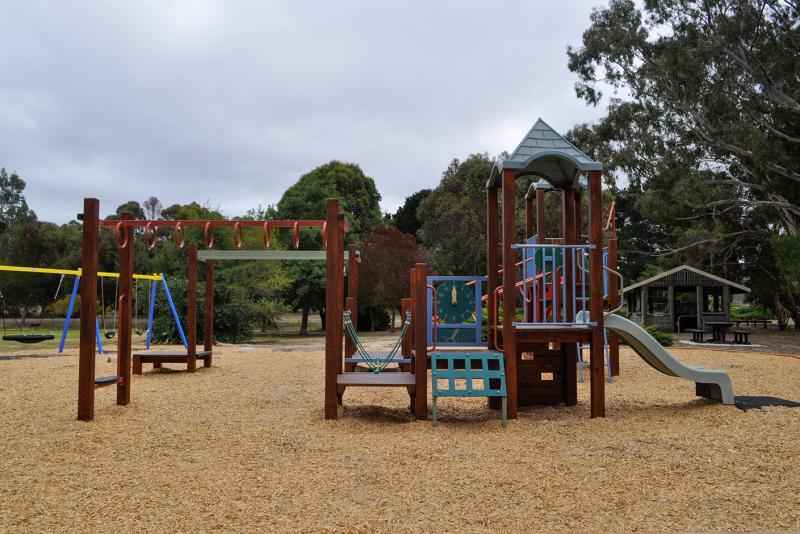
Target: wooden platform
column 376, row 379
column 157, row 357
column 557, row 334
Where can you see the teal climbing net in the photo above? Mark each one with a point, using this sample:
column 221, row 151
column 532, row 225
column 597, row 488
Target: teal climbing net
column 374, row 363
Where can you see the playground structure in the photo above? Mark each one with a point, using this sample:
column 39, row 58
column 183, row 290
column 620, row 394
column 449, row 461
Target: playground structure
column 568, row 286
column 123, row 237
column 565, row 283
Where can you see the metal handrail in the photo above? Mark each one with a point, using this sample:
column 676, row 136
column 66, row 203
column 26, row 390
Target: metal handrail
column 621, row 289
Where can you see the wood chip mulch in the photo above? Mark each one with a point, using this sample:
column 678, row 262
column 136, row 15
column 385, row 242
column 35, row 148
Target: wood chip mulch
column 243, row 447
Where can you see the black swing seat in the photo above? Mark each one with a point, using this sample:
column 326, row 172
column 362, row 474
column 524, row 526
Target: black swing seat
column 111, row 335
column 106, row 380
column 28, row 338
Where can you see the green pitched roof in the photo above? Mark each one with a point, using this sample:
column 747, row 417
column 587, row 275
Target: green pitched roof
column 543, row 152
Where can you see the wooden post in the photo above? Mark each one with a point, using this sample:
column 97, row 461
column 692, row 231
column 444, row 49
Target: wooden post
column 578, row 216
column 613, row 302
column 491, row 261
column 540, row 231
column 208, row 312
column 353, row 264
column 405, row 307
column 339, row 312
column 412, row 291
column 86, row 358
column 419, row 324
column 570, row 350
column 598, row 393
column 191, row 311
column 509, row 289
column 124, row 313
column 332, row 265
column 349, row 346
column 529, row 216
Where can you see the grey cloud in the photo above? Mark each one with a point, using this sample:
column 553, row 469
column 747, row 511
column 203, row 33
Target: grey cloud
column 231, row 102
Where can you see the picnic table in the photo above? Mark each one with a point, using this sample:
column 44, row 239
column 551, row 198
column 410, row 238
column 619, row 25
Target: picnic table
column 719, row 330
column 755, row 322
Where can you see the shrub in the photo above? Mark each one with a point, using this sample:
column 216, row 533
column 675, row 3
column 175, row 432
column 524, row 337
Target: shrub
column 663, row 338
column 234, row 315
column 753, row 311
column 373, row 318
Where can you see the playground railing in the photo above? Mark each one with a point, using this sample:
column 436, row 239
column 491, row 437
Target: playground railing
column 555, row 284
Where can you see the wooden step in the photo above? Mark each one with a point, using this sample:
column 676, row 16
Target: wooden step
column 388, row 379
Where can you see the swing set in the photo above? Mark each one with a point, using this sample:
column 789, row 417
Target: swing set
column 30, row 337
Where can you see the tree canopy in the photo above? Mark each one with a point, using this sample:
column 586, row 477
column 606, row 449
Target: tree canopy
column 359, row 199
column 704, row 127
column 387, row 257
column 406, row 218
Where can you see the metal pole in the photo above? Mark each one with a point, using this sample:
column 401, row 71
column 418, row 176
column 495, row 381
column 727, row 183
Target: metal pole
column 150, row 312
column 70, row 308
column 174, row 312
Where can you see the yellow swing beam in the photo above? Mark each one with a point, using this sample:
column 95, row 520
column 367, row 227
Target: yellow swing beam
column 75, row 272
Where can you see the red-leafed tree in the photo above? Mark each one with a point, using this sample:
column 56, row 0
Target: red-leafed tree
column 387, row 257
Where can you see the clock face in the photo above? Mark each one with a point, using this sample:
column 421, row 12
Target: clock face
column 455, row 302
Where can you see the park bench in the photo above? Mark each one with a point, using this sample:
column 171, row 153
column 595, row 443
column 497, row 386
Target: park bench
column 741, row 336
column 697, row 335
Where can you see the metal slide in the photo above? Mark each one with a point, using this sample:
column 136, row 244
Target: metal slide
column 710, row 384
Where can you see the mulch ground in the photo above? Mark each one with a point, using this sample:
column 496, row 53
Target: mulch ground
column 243, row 447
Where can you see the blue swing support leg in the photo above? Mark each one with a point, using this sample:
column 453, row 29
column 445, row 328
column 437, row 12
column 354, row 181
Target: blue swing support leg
column 151, row 311
column 174, row 312
column 70, row 310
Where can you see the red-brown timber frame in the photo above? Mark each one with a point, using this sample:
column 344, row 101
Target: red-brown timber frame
column 598, row 382
column 571, row 230
column 509, row 289
column 124, row 238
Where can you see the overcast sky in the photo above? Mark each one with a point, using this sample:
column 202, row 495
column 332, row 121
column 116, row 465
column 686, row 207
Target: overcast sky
column 230, row 102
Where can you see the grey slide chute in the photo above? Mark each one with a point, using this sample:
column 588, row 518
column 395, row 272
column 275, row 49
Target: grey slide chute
column 711, row 384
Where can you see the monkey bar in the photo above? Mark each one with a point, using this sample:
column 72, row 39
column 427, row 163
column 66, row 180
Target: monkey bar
column 123, row 237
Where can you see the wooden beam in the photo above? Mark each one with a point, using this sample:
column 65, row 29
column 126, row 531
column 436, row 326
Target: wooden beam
column 265, row 255
column 509, row 289
column 349, row 346
column 613, row 301
column 86, row 358
column 339, row 311
column 419, row 323
column 331, row 296
column 413, row 292
column 208, row 313
column 598, row 383
column 570, row 350
column 540, row 230
column 578, row 216
column 492, row 241
column 529, row 217
column 191, row 311
column 405, row 307
column 124, row 307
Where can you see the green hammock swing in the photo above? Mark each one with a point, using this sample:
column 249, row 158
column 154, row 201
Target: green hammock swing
column 376, row 364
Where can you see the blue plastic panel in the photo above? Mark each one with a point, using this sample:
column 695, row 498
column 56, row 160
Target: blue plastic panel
column 483, row 373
